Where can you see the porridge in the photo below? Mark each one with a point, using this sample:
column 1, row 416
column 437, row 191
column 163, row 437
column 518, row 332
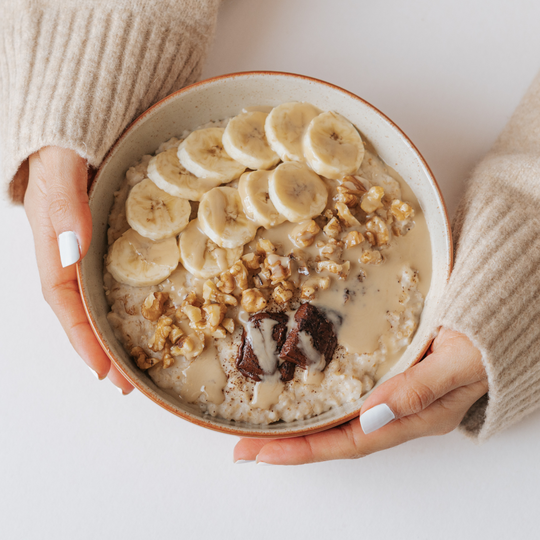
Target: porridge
column 266, row 267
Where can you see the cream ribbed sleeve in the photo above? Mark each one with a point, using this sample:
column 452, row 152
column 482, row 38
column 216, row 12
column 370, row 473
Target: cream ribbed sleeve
column 494, row 292
column 75, row 73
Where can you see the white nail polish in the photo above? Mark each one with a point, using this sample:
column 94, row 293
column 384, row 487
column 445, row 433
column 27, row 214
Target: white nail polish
column 242, row 461
column 69, row 248
column 93, row 372
column 264, row 463
column 376, row 417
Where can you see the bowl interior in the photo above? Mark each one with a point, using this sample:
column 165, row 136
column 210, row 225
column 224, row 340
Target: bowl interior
column 217, row 99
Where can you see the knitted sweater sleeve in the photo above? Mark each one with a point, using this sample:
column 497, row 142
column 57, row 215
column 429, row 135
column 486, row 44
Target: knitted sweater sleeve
column 74, row 74
column 494, row 292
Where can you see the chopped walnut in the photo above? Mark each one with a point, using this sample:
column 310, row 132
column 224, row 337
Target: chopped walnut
column 303, row 235
column 163, row 329
column 253, row 300
column 167, row 358
column 212, row 294
column 214, row 314
column 328, row 214
column 152, row 307
column 280, row 268
column 401, row 210
column 341, row 269
column 263, row 279
column 193, row 313
column 240, row 274
column 176, row 334
column 372, row 199
column 190, row 346
column 265, row 247
column 252, row 261
column 226, row 282
column 283, row 292
column 219, row 333
column 312, row 285
column 379, row 229
column 346, row 197
column 345, row 215
column 228, row 324
column 353, row 238
column 354, row 185
column 371, row 257
column 142, row 360
column 332, row 228
column 332, row 250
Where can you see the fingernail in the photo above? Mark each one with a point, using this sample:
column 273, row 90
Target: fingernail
column 95, row 373
column 263, row 463
column 69, row 248
column 242, row 461
column 376, row 417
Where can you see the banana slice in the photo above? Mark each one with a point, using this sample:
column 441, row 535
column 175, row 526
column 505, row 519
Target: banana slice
column 285, row 127
column 245, row 141
column 155, row 214
column 223, row 220
column 140, row 262
column 203, row 155
column 202, row 257
column 166, row 171
column 253, row 190
column 332, row 146
column 297, row 192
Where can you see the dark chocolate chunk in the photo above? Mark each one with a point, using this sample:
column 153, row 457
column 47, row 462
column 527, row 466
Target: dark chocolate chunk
column 247, row 361
column 313, row 322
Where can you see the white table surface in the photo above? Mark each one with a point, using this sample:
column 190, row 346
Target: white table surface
column 79, row 461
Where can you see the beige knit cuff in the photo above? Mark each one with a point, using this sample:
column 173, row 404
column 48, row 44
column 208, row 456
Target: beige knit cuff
column 75, row 74
column 493, row 293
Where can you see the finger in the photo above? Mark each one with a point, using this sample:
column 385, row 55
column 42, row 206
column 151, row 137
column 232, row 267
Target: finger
column 119, row 380
column 66, row 177
column 59, row 285
column 455, row 362
column 349, row 441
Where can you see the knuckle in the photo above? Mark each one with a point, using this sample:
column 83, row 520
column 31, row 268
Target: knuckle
column 418, row 396
column 59, row 207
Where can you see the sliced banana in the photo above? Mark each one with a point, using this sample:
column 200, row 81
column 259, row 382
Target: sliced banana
column 203, row 155
column 297, row 192
column 140, row 262
column 166, row 171
column 285, row 126
column 222, row 218
column 253, row 190
column 332, row 146
column 202, row 257
column 155, row 214
column 245, row 141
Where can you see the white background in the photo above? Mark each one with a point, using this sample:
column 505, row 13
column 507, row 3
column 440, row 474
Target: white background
column 79, row 461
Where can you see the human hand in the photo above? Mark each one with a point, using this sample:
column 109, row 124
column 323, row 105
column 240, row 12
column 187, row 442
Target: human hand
column 431, row 398
column 56, row 202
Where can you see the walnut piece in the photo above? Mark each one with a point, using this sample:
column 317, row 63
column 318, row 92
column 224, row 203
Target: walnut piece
column 345, row 215
column 212, row 294
column 372, row 200
column 303, row 235
column 332, row 228
column 371, row 257
column 252, row 261
column 280, row 268
column 346, row 197
column 193, row 313
column 253, row 300
column 142, row 360
column 265, row 247
column 176, row 334
column 167, row 358
column 225, row 283
column 152, row 307
column 353, row 238
column 341, row 269
column 228, row 324
column 312, row 285
column 189, row 346
column 401, row 210
column 332, row 250
column 240, row 275
column 283, row 292
column 163, row 329
column 379, row 229
column 214, row 314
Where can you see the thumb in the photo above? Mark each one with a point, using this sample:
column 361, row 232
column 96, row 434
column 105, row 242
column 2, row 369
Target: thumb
column 65, row 176
column 455, row 363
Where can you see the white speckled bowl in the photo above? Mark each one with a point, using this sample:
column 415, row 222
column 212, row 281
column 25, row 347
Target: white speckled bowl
column 222, row 97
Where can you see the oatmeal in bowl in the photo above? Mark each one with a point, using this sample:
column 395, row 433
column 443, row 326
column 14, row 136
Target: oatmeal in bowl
column 265, row 267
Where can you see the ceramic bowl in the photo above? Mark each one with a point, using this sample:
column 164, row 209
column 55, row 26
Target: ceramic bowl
column 223, row 97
